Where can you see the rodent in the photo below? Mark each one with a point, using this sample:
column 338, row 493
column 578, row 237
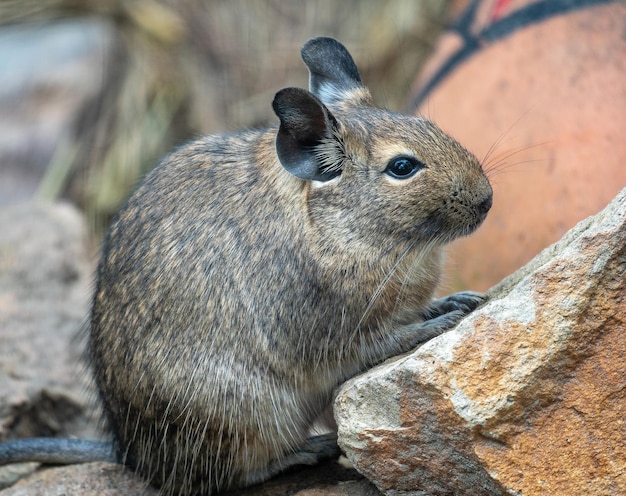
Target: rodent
column 250, row 274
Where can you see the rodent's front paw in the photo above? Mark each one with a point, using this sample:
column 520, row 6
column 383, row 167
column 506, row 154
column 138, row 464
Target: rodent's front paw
column 423, row 331
column 463, row 301
column 444, row 314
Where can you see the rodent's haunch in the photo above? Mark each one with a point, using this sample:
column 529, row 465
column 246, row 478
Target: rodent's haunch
column 251, row 274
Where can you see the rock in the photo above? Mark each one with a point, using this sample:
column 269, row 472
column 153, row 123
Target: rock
column 45, row 286
column 107, row 479
column 328, row 479
column 10, row 474
column 525, row 396
column 89, row 479
column 45, row 279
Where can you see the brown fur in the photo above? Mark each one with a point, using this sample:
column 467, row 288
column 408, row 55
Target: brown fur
column 233, row 297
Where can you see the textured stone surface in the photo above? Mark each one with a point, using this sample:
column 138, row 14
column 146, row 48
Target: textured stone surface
column 45, row 276
column 106, row 479
column 45, row 285
column 89, row 479
column 526, row 396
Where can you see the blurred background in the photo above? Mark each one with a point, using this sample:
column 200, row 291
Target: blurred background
column 92, row 92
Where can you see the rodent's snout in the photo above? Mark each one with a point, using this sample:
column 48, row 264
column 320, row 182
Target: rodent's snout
column 484, row 206
column 470, row 205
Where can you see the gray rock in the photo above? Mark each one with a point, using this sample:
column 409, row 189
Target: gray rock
column 89, row 479
column 106, row 479
column 45, row 285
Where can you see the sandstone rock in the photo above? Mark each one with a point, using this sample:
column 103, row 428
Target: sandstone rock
column 45, row 286
column 89, row 479
column 526, row 395
column 45, row 276
column 107, row 479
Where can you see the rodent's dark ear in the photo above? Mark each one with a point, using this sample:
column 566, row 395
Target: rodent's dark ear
column 332, row 71
column 305, row 142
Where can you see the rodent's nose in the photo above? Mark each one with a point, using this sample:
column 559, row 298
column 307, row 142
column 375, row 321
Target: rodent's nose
column 485, row 205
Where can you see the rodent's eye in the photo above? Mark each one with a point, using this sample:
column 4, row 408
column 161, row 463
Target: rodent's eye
column 403, row 167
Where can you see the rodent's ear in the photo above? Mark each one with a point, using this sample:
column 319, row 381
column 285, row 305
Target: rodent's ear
column 305, row 140
column 332, row 71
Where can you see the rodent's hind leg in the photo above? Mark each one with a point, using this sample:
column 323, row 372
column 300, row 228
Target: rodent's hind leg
column 463, row 301
column 315, row 450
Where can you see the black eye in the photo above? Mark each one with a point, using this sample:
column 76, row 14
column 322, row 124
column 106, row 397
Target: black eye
column 403, row 167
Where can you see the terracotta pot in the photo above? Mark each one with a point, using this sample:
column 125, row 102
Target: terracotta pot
column 537, row 89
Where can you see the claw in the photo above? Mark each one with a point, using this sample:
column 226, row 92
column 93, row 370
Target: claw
column 464, row 301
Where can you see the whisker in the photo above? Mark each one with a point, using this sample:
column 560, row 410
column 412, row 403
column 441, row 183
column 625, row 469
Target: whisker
column 413, row 242
column 500, row 139
column 408, row 273
column 378, row 291
column 500, row 163
column 503, row 167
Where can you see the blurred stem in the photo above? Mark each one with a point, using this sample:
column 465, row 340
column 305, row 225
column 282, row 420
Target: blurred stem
column 137, row 146
column 57, row 172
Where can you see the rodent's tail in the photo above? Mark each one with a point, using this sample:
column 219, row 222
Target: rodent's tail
column 56, row 451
